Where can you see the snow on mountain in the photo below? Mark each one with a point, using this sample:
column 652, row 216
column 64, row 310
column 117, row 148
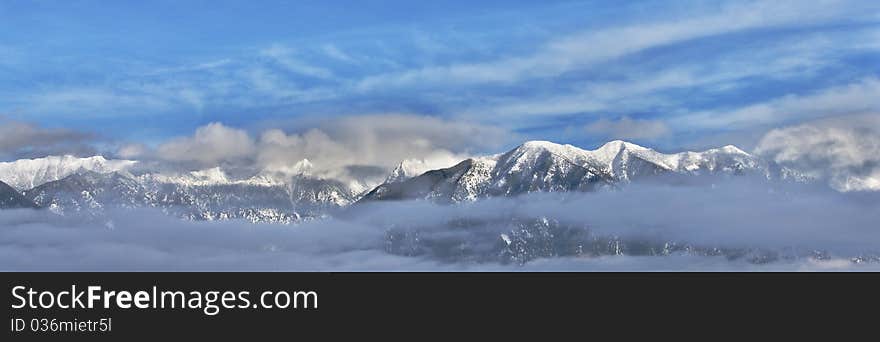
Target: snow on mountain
column 302, row 167
column 213, row 176
column 88, row 192
column 405, row 170
column 28, row 173
column 287, row 194
column 297, row 182
column 93, row 185
column 412, row 167
column 546, row 166
column 622, row 160
column 200, row 195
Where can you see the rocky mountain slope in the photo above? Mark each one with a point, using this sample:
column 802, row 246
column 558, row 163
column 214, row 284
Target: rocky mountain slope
column 12, row 199
column 93, row 185
column 545, row 166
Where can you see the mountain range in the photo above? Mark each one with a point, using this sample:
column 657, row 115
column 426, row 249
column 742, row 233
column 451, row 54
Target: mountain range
column 91, row 185
column 541, row 166
column 28, row 173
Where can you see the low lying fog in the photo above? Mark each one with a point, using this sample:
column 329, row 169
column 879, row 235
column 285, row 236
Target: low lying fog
column 809, row 228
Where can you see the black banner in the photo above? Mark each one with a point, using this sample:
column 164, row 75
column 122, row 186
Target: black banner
column 335, row 305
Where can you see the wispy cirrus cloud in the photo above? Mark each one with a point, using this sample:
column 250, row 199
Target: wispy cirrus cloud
column 673, row 61
column 334, row 52
column 656, row 87
column 857, row 97
column 96, row 101
column 574, row 51
column 285, row 57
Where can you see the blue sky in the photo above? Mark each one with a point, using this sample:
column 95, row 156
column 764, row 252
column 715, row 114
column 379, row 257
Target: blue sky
column 671, row 74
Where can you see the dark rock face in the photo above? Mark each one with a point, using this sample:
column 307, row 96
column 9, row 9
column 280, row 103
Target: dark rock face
column 12, row 199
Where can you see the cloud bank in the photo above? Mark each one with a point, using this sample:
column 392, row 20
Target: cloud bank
column 846, row 150
column 210, row 145
column 787, row 228
column 333, row 146
column 22, row 140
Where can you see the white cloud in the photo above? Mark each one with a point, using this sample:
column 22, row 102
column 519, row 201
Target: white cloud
column 211, row 144
column 133, row 151
column 735, row 215
column 858, row 97
column 331, row 146
column 242, row 80
column 641, row 88
column 375, row 140
column 844, row 150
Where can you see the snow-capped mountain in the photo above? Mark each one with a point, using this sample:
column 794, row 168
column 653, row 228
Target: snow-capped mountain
column 286, row 194
column 545, row 166
column 407, row 169
column 66, row 184
column 88, row 191
column 200, row 195
column 11, row 198
column 212, row 176
column 413, row 167
column 28, row 173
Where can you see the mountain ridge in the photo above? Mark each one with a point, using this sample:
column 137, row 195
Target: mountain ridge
column 546, row 166
column 292, row 193
column 24, row 174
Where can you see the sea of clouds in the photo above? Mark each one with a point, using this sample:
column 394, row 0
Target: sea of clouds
column 739, row 213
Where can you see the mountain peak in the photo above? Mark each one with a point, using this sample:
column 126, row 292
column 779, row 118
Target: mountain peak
column 405, row 170
column 617, row 145
column 212, row 175
column 539, row 144
column 546, row 166
column 304, row 166
column 733, row 149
